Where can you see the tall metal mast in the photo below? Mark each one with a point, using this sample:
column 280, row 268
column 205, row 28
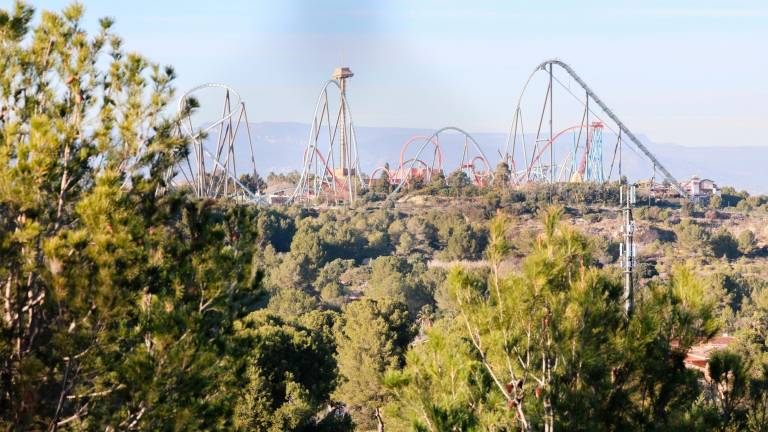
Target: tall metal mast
column 627, row 251
column 345, row 163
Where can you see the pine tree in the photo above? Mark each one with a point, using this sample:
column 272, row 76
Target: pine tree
column 558, row 348
column 289, row 372
column 115, row 297
column 501, row 176
column 371, row 339
column 443, row 386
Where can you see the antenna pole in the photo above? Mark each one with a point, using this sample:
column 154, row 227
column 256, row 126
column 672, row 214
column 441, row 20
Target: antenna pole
column 628, row 253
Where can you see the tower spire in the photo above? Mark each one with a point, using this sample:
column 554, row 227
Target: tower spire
column 341, row 74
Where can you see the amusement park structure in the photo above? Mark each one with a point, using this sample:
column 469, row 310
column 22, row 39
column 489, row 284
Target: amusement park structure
column 210, row 168
column 331, row 166
column 426, row 164
column 533, row 159
column 405, row 172
column 573, row 143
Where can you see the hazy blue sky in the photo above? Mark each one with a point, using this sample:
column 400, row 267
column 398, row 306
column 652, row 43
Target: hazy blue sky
column 685, row 72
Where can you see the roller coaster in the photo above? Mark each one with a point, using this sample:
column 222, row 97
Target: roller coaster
column 428, row 166
column 582, row 140
column 210, row 168
column 527, row 158
column 331, row 166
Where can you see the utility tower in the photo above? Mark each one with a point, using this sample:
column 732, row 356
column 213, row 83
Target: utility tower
column 346, row 167
column 627, row 252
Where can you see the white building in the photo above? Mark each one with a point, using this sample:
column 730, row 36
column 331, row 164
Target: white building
column 698, row 187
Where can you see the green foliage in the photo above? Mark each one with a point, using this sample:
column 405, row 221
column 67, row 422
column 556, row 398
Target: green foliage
column 395, row 278
column 724, row 245
column 253, row 182
column 691, row 236
column 290, row 178
column 329, row 281
column 293, row 271
column 283, row 372
column 728, row 382
column 747, row 241
column 738, row 390
column 501, row 176
column 291, row 303
column 443, row 385
column 276, row 229
column 108, row 305
column 120, row 297
column 695, row 304
column 307, row 249
column 757, row 409
column 730, row 197
column 557, row 348
column 383, row 184
column 371, row 339
column 458, row 182
column 753, row 333
column 458, row 238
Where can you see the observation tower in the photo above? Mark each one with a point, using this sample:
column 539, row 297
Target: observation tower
column 346, row 167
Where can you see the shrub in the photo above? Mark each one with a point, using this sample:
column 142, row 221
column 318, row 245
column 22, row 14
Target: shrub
column 691, row 236
column 724, row 245
column 747, row 241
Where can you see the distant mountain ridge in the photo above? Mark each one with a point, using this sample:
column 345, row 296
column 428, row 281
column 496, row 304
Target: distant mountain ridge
column 280, row 147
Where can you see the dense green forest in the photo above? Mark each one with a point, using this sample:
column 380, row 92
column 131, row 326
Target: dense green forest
column 129, row 305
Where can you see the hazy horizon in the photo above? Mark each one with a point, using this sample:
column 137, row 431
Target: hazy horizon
column 670, row 72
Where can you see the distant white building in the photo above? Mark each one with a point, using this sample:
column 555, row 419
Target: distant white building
column 698, row 187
